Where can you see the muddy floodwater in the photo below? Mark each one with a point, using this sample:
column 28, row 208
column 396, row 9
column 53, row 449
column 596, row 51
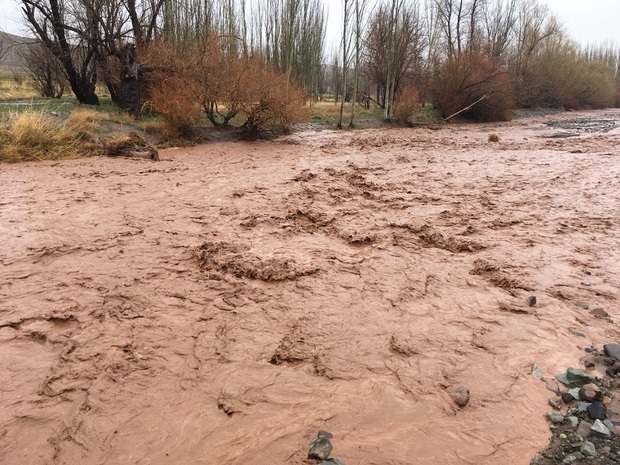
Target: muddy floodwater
column 225, row 304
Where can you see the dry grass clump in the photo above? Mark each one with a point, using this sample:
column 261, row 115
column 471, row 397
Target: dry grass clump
column 153, row 127
column 36, row 136
column 493, row 137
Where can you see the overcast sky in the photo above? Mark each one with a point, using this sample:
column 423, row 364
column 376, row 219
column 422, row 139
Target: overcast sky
column 586, row 20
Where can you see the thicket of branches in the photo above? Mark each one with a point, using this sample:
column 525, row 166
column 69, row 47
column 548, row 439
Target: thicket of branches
column 475, row 58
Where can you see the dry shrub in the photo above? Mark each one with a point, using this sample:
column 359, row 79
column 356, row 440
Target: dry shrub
column 493, row 137
column 472, row 79
column 598, row 85
column 272, row 103
column 214, row 77
column 407, row 104
column 35, row 136
column 559, row 76
column 171, row 90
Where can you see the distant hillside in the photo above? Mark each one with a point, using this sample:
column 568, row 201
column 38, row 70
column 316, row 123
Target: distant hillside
column 12, row 47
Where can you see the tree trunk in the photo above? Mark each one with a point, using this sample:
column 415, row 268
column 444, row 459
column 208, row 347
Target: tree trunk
column 129, row 89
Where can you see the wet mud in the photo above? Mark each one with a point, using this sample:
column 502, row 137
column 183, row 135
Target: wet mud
column 224, row 304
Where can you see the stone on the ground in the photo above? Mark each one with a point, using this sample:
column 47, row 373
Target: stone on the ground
column 567, row 398
column 574, row 377
column 613, row 370
column 555, row 417
column 575, row 393
column 584, row 429
column 536, row 371
column 599, row 313
column 597, row 411
column 459, row 395
column 555, row 403
column 321, row 447
column 552, row 385
column 612, row 350
column 583, row 406
column 590, row 393
column 600, row 430
column 615, row 431
column 531, row 300
column 583, row 305
column 334, row 461
column 609, row 424
column 588, row 449
column 574, row 421
column 571, row 458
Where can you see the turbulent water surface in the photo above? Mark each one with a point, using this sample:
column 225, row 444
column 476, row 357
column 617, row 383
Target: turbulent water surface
column 224, row 304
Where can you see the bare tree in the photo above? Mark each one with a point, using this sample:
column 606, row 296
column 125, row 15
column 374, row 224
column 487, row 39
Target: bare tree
column 395, row 44
column 59, row 30
column 345, row 49
column 45, row 70
column 359, row 26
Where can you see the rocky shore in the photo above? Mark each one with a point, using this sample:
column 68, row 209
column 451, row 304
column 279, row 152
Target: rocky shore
column 584, row 414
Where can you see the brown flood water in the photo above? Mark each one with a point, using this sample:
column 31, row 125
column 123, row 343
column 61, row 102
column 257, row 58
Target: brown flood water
column 223, row 305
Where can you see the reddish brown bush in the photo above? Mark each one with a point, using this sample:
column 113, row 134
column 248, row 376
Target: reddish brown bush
column 172, row 91
column 476, row 84
column 407, row 104
column 229, row 88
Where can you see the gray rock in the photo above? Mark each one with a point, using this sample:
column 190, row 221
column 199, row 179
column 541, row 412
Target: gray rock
column 555, row 403
column 536, row 371
column 588, row 449
column 575, row 393
column 459, row 395
column 531, row 301
column 600, row 430
column 613, row 370
column 584, row 429
column 583, row 406
column 583, row 305
column 574, row 421
column 612, row 350
column 597, row 411
column 333, row 462
column 555, row 417
column 609, row 424
column 574, row 377
column 321, row 447
column 570, row 459
column 578, row 334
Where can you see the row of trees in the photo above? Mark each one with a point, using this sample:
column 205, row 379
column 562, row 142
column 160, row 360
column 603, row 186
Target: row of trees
column 478, row 58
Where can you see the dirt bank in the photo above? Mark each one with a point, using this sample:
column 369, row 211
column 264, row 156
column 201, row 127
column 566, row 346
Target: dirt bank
column 224, row 304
